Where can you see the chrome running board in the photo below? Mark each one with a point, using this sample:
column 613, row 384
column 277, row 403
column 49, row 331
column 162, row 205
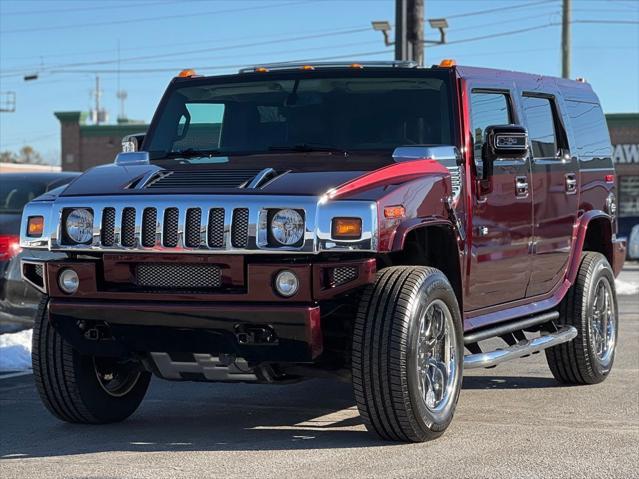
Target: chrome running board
column 521, row 349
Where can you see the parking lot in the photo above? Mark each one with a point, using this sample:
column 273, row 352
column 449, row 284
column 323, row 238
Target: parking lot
column 512, row 421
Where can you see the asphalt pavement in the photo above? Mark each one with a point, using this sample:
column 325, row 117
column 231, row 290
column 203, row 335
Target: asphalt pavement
column 511, row 421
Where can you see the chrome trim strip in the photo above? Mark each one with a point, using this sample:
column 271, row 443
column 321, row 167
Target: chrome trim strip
column 318, row 213
column 263, row 175
column 521, row 349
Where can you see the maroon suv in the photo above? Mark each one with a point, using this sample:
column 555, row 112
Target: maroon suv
column 379, row 221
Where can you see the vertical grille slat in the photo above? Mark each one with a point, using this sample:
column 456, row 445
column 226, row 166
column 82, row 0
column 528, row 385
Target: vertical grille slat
column 149, row 221
column 239, row 229
column 128, row 227
column 192, row 230
column 216, row 228
column 107, row 234
column 170, row 232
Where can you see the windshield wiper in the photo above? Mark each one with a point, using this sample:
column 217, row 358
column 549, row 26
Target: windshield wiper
column 190, row 153
column 306, row 147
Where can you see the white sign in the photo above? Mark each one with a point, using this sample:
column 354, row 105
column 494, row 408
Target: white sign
column 626, row 153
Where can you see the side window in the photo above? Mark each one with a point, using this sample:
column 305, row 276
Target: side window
column 487, row 109
column 201, row 130
column 589, row 130
column 541, row 126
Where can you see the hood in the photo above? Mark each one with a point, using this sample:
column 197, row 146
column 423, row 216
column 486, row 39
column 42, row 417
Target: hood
column 308, row 174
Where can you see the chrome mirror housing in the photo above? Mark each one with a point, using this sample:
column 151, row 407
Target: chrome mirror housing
column 132, row 158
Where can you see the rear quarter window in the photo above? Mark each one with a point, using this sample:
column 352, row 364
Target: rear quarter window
column 589, row 129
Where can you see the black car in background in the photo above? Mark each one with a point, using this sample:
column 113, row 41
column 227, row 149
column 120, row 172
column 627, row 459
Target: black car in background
column 19, row 301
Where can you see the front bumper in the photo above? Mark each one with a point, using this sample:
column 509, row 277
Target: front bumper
column 256, row 333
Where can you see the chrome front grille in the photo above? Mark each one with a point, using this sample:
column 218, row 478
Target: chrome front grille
column 197, row 223
column 200, row 228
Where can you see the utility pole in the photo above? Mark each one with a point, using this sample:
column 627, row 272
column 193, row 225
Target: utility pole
column 415, row 34
column 401, row 43
column 98, row 94
column 565, row 39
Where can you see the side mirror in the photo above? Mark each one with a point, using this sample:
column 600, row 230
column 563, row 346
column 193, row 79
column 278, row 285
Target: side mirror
column 132, row 142
column 503, row 141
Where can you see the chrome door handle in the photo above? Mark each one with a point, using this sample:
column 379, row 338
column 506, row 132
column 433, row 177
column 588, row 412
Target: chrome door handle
column 571, row 183
column 521, row 186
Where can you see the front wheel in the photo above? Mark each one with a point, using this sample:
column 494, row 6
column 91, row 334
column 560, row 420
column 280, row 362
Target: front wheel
column 79, row 388
column 408, row 354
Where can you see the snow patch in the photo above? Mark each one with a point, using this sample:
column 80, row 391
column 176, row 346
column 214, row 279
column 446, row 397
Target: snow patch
column 626, row 287
column 15, row 351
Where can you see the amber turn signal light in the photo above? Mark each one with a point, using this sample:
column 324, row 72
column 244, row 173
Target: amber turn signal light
column 35, row 226
column 393, row 212
column 347, row 228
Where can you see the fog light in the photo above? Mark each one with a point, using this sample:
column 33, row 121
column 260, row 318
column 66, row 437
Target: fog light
column 68, row 281
column 286, row 283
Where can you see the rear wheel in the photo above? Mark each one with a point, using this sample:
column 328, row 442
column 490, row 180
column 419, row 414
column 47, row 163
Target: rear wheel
column 79, row 388
column 408, row 354
column 591, row 307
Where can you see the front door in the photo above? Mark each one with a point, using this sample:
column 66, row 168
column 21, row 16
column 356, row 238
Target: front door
column 499, row 267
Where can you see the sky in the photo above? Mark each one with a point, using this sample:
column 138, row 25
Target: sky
column 68, row 42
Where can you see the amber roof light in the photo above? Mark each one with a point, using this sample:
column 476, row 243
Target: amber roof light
column 188, row 73
column 447, row 63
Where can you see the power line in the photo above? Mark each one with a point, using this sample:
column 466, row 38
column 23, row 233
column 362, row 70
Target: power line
column 624, row 22
column 102, row 7
column 500, row 9
column 21, row 71
column 149, row 19
column 503, row 34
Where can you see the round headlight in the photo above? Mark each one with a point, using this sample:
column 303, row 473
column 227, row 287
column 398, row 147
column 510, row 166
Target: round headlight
column 286, row 283
column 79, row 225
column 68, row 281
column 287, row 227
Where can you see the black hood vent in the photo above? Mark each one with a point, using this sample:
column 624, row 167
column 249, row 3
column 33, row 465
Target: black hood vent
column 196, row 178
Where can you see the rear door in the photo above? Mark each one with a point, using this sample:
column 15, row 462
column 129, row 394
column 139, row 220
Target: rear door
column 554, row 189
column 502, row 218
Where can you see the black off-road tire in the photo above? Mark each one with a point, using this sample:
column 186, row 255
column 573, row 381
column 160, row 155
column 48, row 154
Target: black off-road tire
column 385, row 391
column 68, row 384
column 575, row 362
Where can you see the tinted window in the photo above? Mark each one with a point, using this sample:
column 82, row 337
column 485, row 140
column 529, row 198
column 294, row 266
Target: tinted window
column 541, row 126
column 14, row 194
column 487, row 109
column 589, row 129
column 352, row 113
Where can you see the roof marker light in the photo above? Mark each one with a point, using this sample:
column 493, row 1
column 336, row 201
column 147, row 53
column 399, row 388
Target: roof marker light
column 188, row 73
column 261, row 70
column 447, row 63
column 307, row 67
column 357, row 65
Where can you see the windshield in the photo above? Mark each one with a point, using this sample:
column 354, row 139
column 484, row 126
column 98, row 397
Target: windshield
column 14, row 194
column 302, row 114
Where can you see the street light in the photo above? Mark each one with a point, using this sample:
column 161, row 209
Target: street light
column 384, row 27
column 441, row 24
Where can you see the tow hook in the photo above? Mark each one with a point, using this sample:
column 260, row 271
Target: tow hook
column 254, row 335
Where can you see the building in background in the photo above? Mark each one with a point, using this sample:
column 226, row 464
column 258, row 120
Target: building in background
column 85, row 146
column 624, row 136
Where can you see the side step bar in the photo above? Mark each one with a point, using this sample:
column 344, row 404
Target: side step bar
column 521, row 349
column 510, row 327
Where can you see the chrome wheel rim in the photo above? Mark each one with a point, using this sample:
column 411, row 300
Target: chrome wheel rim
column 437, row 356
column 603, row 322
column 116, row 378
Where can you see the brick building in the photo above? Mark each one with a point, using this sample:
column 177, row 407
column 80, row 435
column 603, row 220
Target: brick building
column 85, row 146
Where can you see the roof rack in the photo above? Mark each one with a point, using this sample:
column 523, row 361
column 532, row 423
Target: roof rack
column 318, row 65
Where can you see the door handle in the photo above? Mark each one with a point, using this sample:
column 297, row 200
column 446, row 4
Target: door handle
column 571, row 183
column 521, row 186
